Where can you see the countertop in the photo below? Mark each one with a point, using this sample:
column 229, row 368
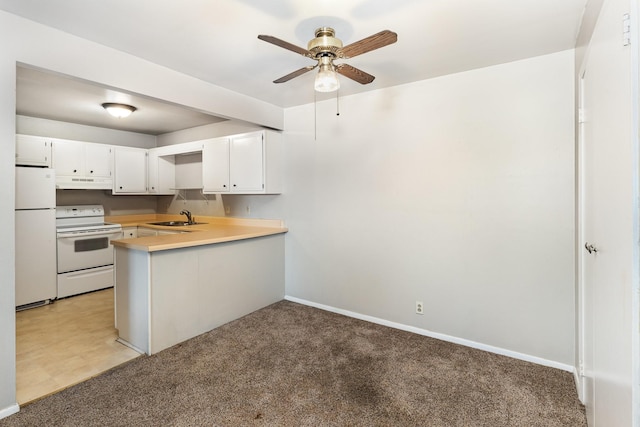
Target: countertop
column 214, row 230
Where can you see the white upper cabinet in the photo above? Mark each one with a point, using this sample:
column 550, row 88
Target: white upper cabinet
column 68, row 158
column 98, row 160
column 130, row 170
column 246, row 163
column 33, row 151
column 82, row 165
column 162, row 173
column 249, row 163
column 215, row 166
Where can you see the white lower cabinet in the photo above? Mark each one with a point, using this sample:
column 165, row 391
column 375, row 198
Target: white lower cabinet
column 129, row 232
column 166, row 232
column 145, row 232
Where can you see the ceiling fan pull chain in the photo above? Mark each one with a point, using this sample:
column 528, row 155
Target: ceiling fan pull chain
column 315, row 117
column 338, row 102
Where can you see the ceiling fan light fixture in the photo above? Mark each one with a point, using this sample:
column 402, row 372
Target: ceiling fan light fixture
column 119, row 110
column 327, row 78
column 324, row 48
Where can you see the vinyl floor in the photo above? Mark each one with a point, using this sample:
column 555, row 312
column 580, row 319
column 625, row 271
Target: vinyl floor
column 67, row 342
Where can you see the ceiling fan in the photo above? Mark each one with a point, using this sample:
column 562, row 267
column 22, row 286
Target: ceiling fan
column 325, row 48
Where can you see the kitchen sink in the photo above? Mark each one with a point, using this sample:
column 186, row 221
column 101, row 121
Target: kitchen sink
column 175, row 223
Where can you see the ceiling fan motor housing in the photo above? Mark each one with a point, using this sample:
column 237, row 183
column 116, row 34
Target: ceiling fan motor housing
column 325, row 43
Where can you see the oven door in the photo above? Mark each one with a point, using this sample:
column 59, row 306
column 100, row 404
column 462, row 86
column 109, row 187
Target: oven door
column 77, row 251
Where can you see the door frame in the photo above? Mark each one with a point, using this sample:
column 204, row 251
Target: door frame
column 634, row 11
column 580, row 298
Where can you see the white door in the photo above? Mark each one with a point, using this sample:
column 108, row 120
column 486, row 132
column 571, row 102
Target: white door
column 608, row 236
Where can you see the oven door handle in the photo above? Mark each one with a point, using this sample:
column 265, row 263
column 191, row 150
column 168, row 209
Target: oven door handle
column 71, row 234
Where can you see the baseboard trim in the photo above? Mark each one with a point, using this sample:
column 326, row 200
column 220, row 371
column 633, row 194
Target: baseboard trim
column 443, row 337
column 10, row 410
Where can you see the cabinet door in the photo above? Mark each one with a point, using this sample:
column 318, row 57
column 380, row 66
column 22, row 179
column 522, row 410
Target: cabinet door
column 246, row 163
column 98, row 159
column 152, row 172
column 130, row 170
column 166, row 179
column 145, row 232
column 162, row 174
column 33, row 151
column 215, row 166
column 129, row 232
column 68, row 158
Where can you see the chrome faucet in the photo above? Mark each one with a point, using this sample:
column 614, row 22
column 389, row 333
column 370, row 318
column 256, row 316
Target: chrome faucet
column 190, row 220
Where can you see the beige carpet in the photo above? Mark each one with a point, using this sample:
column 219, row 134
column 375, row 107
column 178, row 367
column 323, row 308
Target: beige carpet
column 292, row 365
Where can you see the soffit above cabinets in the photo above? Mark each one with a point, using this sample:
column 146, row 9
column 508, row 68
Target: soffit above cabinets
column 52, row 96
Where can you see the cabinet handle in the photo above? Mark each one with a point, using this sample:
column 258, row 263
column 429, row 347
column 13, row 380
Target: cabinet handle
column 121, row 187
column 90, row 171
column 224, row 185
column 75, row 170
column 234, row 185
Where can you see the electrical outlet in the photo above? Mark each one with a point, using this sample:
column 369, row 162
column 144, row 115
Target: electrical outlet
column 419, row 307
column 227, row 209
column 248, row 209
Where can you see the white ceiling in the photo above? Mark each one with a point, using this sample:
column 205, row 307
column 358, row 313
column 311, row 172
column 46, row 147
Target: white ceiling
column 216, row 41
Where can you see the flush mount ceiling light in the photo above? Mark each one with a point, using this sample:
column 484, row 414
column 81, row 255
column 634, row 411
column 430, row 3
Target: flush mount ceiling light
column 118, row 110
column 325, row 48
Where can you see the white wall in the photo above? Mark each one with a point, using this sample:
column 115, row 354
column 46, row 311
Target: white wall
column 8, row 403
column 26, row 42
column 457, row 191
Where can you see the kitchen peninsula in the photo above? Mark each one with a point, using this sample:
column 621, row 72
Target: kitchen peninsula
column 170, row 288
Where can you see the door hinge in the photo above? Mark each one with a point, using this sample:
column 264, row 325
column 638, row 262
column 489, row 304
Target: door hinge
column 581, row 118
column 581, row 369
column 626, row 29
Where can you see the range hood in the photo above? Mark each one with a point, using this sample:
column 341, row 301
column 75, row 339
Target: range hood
column 83, row 183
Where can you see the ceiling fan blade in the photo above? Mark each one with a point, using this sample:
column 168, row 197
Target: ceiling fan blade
column 286, row 45
column 354, row 74
column 376, row 41
column 294, row 74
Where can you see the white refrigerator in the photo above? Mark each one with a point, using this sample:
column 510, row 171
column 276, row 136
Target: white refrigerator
column 35, row 239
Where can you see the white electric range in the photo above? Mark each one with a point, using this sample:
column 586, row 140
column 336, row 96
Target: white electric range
column 84, row 251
